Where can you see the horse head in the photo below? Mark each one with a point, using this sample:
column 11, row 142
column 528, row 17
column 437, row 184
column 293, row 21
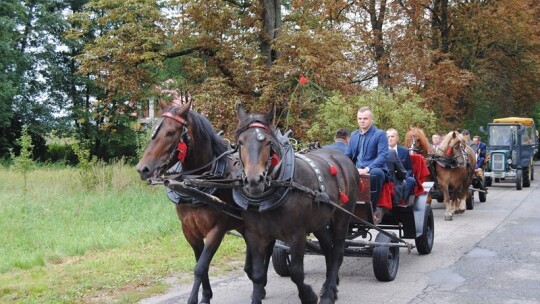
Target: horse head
column 258, row 149
column 169, row 142
column 454, row 147
column 416, row 141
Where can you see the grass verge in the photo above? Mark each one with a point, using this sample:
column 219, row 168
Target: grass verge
column 62, row 243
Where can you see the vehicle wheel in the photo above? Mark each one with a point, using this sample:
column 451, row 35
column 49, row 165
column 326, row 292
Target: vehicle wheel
column 470, row 200
column 497, row 180
column 526, row 177
column 519, row 175
column 532, row 172
column 281, row 260
column 424, row 243
column 385, row 259
column 487, row 181
column 482, row 196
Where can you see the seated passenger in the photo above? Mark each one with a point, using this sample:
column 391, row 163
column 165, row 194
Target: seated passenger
column 368, row 149
column 405, row 159
column 480, row 151
column 397, row 175
column 340, row 141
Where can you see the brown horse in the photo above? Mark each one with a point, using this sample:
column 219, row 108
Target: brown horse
column 454, row 164
column 416, row 141
column 186, row 136
column 286, row 196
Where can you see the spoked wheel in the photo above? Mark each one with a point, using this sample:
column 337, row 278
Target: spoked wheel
column 519, row 174
column 424, row 243
column 385, row 259
column 281, row 260
column 470, row 200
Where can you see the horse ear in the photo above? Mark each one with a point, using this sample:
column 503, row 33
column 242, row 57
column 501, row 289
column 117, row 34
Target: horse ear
column 184, row 108
column 269, row 116
column 162, row 104
column 240, row 112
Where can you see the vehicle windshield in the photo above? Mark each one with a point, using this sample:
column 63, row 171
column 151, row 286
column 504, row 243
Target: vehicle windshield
column 504, row 135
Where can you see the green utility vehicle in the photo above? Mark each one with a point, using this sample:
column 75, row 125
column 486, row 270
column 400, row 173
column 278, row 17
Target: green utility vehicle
column 511, row 146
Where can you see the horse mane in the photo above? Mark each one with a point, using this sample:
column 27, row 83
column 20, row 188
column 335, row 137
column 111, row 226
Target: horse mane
column 420, row 136
column 202, row 129
column 447, row 139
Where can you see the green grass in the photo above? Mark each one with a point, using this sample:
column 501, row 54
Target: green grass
column 63, row 243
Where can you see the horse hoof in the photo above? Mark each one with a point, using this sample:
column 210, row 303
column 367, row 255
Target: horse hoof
column 448, row 218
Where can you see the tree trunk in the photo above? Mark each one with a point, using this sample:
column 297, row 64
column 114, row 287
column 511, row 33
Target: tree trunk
column 381, row 58
column 271, row 26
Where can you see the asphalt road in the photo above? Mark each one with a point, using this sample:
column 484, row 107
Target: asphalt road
column 487, row 255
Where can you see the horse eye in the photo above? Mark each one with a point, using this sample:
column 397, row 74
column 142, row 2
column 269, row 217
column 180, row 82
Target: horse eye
column 171, row 133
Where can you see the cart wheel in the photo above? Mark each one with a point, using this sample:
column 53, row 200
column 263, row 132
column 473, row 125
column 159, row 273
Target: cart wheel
column 527, row 177
column 519, row 174
column 385, row 259
column 532, row 172
column 487, row 181
column 424, row 243
column 281, row 260
column 470, row 200
column 482, row 195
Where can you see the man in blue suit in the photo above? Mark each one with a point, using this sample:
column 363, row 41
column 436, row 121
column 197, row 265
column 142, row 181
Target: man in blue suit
column 368, row 149
column 340, row 141
column 403, row 155
column 480, row 150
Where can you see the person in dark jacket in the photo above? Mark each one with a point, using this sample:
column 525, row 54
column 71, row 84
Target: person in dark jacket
column 403, row 155
column 368, row 149
column 341, row 141
column 480, row 150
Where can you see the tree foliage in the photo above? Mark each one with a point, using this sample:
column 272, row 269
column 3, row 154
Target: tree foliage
column 465, row 62
column 400, row 110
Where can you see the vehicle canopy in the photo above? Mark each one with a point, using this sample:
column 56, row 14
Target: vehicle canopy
column 520, row 120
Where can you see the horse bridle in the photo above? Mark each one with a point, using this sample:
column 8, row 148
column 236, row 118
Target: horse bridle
column 273, row 160
column 183, row 144
column 455, row 157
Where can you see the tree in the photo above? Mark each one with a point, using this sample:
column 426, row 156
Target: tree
column 401, row 110
column 24, row 162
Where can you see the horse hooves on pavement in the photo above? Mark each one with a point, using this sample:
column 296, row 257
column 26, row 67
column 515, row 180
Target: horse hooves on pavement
column 447, row 217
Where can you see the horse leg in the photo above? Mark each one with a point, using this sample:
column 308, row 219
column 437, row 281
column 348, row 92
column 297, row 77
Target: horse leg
column 248, row 266
column 204, row 257
column 325, row 241
column 197, row 244
column 448, row 204
column 296, row 269
column 257, row 270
